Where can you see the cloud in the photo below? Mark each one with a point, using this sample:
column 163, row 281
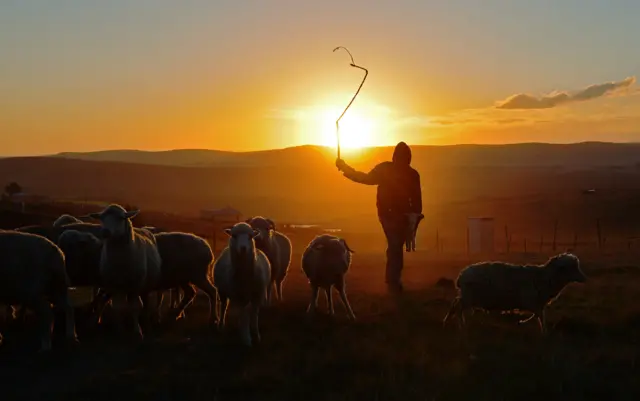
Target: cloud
column 527, row 102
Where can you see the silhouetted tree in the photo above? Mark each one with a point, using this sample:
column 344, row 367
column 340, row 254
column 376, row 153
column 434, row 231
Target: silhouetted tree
column 12, row 189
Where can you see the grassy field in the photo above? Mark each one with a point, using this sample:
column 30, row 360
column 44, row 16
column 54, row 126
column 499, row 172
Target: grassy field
column 397, row 349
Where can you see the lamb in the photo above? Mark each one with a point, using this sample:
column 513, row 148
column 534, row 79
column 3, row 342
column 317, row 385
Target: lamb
column 33, row 275
column 414, row 220
column 242, row 274
column 130, row 263
column 500, row 286
column 277, row 247
column 65, row 219
column 82, row 251
column 325, row 262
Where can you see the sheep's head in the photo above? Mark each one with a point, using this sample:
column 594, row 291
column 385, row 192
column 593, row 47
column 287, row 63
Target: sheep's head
column 566, row 267
column 115, row 221
column 334, row 249
column 242, row 239
column 265, row 226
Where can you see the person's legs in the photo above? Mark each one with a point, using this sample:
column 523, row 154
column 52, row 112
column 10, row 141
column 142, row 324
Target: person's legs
column 394, row 232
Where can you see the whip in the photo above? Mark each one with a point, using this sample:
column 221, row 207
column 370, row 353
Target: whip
column 366, row 72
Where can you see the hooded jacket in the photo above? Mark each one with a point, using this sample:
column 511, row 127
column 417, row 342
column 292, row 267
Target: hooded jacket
column 399, row 189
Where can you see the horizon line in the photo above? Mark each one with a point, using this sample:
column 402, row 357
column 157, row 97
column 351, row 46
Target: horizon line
column 315, row 146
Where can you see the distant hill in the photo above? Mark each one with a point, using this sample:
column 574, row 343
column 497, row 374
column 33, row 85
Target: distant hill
column 579, row 155
column 522, row 185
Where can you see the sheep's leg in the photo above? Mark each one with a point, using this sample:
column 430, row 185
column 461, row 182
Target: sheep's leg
column 135, row 307
column 453, row 309
column 244, row 323
column 64, row 305
column 272, row 284
column 329, row 294
column 206, row 286
column 99, row 304
column 44, row 314
column 313, row 305
column 11, row 312
column 343, row 297
column 527, row 319
column 189, row 295
column 255, row 331
column 118, row 304
column 542, row 321
column 279, row 290
column 224, row 305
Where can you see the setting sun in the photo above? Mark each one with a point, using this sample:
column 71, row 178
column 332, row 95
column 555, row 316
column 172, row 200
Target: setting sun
column 362, row 126
column 356, row 130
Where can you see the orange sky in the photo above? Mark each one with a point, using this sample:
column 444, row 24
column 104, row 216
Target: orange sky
column 222, row 75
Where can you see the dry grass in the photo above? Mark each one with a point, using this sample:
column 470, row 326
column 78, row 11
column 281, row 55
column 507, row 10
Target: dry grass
column 397, row 350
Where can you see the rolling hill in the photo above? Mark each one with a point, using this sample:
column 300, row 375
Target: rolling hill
column 526, row 186
column 587, row 154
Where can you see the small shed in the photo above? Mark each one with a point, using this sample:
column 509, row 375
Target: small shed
column 480, row 235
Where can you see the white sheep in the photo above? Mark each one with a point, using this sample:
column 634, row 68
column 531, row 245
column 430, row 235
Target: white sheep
column 242, row 274
column 500, row 286
column 325, row 262
column 65, row 219
column 130, row 264
column 277, row 247
column 33, row 275
column 414, row 220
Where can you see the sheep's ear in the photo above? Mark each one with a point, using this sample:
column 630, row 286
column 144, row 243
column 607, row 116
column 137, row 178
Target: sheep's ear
column 131, row 214
column 256, row 234
column 344, row 242
column 227, row 231
column 272, row 225
column 248, row 221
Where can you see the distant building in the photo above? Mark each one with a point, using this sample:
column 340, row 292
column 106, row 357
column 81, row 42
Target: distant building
column 480, row 232
column 225, row 214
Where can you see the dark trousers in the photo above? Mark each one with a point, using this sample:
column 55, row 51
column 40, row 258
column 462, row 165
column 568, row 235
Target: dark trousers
column 395, row 229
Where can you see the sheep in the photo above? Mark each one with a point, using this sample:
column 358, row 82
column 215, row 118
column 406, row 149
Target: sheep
column 82, row 251
column 33, row 275
column 277, row 247
column 414, row 220
column 53, row 233
column 242, row 274
column 174, row 293
column 130, row 263
column 500, row 286
column 187, row 260
column 325, row 262
column 65, row 219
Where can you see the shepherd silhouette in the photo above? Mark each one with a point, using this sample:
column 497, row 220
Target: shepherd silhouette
column 399, row 193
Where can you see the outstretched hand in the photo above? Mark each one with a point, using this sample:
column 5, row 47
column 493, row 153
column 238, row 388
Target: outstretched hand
column 340, row 164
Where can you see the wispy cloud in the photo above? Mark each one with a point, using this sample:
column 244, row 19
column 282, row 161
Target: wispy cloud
column 525, row 101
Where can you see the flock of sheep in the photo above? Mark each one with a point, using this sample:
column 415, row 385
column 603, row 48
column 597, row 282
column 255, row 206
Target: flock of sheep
column 125, row 265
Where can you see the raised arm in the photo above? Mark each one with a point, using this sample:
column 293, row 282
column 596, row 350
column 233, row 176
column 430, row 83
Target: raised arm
column 416, row 193
column 373, row 177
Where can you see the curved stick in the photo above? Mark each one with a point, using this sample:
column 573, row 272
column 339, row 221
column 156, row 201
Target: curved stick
column 366, row 72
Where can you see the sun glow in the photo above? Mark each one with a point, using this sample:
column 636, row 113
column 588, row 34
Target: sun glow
column 357, row 130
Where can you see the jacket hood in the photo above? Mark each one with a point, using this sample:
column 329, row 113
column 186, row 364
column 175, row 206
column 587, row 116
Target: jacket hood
column 402, row 154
